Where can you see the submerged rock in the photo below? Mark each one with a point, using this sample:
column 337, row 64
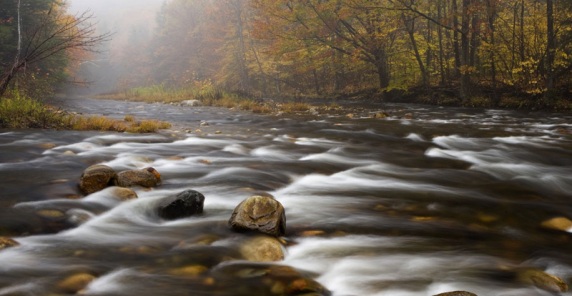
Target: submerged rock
column 96, row 178
column 147, row 177
column 75, row 283
column 456, row 293
column 123, row 194
column 268, row 279
column 558, row 223
column 259, row 213
column 262, row 249
column 541, row 280
column 6, row 242
column 184, row 204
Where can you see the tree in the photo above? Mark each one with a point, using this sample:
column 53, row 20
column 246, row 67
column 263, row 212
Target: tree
column 52, row 34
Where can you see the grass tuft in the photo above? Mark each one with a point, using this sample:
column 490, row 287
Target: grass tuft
column 17, row 112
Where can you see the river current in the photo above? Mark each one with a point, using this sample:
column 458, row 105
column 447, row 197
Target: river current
column 450, row 199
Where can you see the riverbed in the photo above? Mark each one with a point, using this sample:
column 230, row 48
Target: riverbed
column 424, row 201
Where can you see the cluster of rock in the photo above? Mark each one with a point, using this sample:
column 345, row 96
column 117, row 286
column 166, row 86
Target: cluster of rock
column 264, row 219
column 261, row 217
column 98, row 177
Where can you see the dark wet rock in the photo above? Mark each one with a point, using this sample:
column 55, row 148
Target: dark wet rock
column 184, row 204
column 267, row 279
column 6, row 242
column 75, row 283
column 96, row 178
column 457, row 293
column 259, row 213
column 262, row 249
column 147, row 177
column 542, row 280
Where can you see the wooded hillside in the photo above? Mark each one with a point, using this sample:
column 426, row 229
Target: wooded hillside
column 474, row 48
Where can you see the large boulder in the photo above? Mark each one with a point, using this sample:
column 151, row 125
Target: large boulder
column 259, row 213
column 184, row 204
column 96, row 178
column 147, row 177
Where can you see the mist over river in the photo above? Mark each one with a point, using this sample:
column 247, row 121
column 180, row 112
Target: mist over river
column 449, row 199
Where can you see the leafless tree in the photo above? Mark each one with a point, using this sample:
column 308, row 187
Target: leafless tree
column 55, row 33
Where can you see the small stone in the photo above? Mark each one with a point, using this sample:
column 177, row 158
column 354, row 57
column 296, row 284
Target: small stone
column 51, row 214
column 47, row 145
column 380, row 115
column 75, row 283
column 96, row 178
column 541, row 280
column 259, row 213
column 6, row 242
column 310, row 233
column 184, row 204
column 69, row 153
column 124, row 194
column 408, row 116
column 558, row 223
column 189, row 271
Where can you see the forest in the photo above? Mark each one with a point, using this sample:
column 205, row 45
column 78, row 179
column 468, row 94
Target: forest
column 471, row 52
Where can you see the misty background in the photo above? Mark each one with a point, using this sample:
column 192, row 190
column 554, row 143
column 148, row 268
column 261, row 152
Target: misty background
column 132, row 23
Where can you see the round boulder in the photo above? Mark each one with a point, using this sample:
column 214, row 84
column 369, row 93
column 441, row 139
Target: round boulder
column 147, row 177
column 184, row 204
column 96, row 178
column 259, row 213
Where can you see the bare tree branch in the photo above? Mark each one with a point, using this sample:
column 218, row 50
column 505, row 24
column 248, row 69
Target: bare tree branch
column 53, row 35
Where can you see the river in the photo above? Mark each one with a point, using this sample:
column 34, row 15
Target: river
column 450, row 199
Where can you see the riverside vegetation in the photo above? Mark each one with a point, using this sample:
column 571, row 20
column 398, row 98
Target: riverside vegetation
column 17, row 111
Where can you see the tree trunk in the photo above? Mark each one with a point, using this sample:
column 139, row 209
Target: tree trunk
column 410, row 27
column 550, row 47
column 465, row 90
column 382, row 70
column 440, row 36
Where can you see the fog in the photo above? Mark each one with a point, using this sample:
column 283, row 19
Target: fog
column 131, row 22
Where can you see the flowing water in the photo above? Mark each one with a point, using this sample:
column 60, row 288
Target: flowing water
column 452, row 199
